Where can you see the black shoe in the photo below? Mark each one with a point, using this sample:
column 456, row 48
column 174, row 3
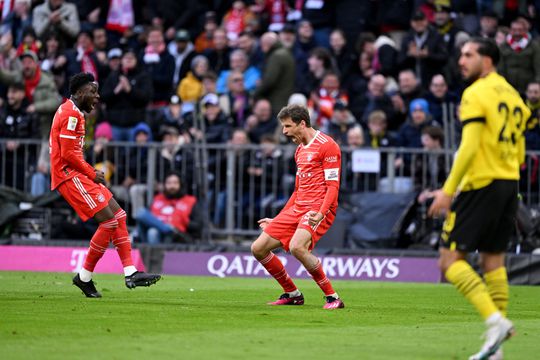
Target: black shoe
column 88, row 288
column 140, row 278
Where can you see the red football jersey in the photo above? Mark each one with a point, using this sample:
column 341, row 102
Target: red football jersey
column 175, row 212
column 66, row 142
column 318, row 166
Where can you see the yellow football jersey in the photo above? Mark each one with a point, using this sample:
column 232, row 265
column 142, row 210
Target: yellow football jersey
column 493, row 101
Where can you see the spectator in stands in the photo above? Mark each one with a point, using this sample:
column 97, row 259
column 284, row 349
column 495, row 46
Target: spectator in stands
column 9, row 61
column 303, row 45
column 439, row 97
column 342, row 121
column 174, row 155
column 355, row 137
column 16, row 123
column 520, row 57
column 343, row 57
column 377, row 135
column 29, row 42
column 239, row 62
column 209, row 83
column 101, row 45
column 429, row 169
column 84, row 59
column 385, row 56
column 174, row 216
column 532, row 133
column 409, row 89
column 114, row 59
column 19, row 19
column 205, row 40
column 248, row 43
column 190, row 88
column 172, row 115
column 126, row 93
column 355, row 181
column 236, row 101
column 160, row 65
column 374, row 99
column 321, row 17
column 445, row 26
column 217, row 124
column 261, row 122
column 183, row 52
column 58, row 15
column 319, row 63
column 54, row 59
column 410, row 133
column 322, row 100
column 218, row 56
column 236, row 20
column 488, row 24
column 277, row 83
column 423, row 49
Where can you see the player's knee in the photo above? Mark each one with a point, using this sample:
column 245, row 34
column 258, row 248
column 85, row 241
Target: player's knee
column 298, row 251
column 258, row 251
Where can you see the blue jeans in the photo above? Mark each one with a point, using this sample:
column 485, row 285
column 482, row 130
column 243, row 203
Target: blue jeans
column 40, row 184
column 151, row 229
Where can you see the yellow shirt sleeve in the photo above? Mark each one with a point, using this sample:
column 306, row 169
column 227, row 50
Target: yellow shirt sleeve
column 466, row 152
column 470, row 108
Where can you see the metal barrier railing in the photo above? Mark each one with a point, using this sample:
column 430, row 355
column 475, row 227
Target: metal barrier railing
column 237, row 184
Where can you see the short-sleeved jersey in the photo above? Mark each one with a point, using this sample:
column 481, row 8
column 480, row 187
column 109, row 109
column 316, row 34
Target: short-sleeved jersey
column 493, row 101
column 318, row 166
column 67, row 133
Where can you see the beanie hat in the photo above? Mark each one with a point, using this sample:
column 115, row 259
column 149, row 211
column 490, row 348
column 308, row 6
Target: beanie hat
column 419, row 104
column 104, row 130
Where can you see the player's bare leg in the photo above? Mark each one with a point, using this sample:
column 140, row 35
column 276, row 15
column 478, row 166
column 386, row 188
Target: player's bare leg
column 299, row 247
column 262, row 251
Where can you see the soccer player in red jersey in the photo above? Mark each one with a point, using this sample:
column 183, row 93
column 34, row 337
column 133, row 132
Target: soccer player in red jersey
column 83, row 188
column 310, row 211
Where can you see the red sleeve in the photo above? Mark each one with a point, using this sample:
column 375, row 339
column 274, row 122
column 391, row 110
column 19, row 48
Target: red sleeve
column 70, row 141
column 331, row 163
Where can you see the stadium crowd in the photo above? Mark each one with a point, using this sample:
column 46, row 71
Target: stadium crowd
column 374, row 74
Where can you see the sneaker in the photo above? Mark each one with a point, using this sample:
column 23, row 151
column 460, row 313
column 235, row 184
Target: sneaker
column 498, row 355
column 333, row 303
column 140, row 278
column 495, row 335
column 88, row 288
column 286, row 299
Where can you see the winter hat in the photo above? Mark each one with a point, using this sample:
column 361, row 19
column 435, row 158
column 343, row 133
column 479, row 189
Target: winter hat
column 104, row 130
column 419, row 104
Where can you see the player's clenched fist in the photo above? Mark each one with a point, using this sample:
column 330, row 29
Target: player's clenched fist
column 100, row 177
column 264, row 222
column 314, row 217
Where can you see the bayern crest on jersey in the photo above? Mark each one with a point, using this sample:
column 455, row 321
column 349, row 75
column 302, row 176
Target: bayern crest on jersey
column 101, row 198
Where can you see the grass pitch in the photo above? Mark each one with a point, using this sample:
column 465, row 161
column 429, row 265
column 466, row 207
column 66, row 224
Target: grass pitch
column 43, row 316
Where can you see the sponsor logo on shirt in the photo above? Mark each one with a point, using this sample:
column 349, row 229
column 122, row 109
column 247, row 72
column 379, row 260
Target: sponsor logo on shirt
column 331, row 158
column 72, row 123
column 331, row 174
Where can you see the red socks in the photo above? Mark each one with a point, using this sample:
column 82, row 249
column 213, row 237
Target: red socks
column 320, row 278
column 99, row 243
column 274, row 266
column 120, row 239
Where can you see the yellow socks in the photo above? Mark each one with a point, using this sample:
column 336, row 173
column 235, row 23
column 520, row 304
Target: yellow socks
column 470, row 285
column 497, row 285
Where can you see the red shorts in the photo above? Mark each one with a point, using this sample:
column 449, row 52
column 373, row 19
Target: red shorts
column 85, row 196
column 284, row 225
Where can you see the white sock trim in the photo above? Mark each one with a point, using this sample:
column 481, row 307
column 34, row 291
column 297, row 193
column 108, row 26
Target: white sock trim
column 129, row 270
column 493, row 318
column 85, row 275
column 294, row 293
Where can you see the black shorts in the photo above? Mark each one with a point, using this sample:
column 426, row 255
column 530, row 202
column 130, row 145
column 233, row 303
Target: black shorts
column 482, row 219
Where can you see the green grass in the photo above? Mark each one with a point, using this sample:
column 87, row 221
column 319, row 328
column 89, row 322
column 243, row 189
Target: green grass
column 42, row 316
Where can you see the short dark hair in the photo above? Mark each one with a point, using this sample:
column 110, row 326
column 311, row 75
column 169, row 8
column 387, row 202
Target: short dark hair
column 435, row 133
column 174, row 173
column 296, row 113
column 79, row 80
column 487, row 47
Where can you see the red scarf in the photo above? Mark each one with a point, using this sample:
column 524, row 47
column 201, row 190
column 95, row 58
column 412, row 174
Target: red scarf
column 87, row 64
column 31, row 84
column 517, row 45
